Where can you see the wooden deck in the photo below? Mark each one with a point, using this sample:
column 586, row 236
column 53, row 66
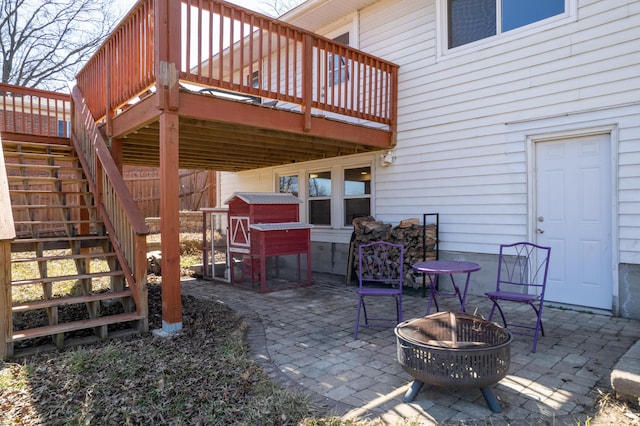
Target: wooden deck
column 227, row 135
column 216, row 87
column 262, row 97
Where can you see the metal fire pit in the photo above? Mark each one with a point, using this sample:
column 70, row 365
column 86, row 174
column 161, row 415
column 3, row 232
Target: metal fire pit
column 454, row 349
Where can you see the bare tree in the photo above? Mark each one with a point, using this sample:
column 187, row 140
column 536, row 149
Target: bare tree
column 45, row 42
column 278, row 7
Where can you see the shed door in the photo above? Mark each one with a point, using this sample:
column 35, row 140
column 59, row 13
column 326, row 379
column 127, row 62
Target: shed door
column 239, row 239
column 573, row 191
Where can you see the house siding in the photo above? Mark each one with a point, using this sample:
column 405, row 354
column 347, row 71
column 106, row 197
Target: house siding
column 464, row 121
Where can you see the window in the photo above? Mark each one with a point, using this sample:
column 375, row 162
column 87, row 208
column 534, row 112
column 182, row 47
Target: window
column 253, row 80
column 289, row 184
column 64, row 128
column 472, row 20
column 332, row 196
column 339, row 65
column 357, row 193
column 320, row 198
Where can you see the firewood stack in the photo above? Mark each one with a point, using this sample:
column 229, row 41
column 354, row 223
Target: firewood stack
column 408, row 232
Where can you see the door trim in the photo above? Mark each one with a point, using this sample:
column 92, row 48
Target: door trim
column 612, row 132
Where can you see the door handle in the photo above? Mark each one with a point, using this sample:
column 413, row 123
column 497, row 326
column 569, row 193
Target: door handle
column 540, row 231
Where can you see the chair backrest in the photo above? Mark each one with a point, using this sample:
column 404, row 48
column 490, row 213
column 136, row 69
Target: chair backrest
column 381, row 261
column 523, row 268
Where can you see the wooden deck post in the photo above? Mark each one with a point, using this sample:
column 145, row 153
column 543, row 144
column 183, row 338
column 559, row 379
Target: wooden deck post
column 170, row 223
column 6, row 317
column 167, row 64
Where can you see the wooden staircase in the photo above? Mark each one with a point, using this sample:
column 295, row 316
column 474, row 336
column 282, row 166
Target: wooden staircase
column 71, row 283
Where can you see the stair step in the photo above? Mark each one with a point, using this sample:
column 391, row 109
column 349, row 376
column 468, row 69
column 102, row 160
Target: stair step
column 46, row 167
column 57, row 239
column 45, row 179
column 64, row 257
column 37, row 146
column 32, row 206
column 72, row 326
column 63, row 301
column 45, row 192
column 39, row 156
column 56, row 222
column 49, row 206
column 60, row 242
column 67, row 278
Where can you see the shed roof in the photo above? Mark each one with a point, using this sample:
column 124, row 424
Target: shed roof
column 265, row 198
column 283, row 226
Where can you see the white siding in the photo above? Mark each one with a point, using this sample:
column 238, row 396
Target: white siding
column 457, row 154
column 464, row 118
column 260, row 180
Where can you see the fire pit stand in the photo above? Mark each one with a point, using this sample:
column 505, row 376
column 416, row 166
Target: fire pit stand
column 454, row 349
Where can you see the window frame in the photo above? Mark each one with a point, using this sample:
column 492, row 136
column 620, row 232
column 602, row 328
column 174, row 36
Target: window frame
column 442, row 30
column 338, row 66
column 337, row 197
column 329, row 197
column 346, row 197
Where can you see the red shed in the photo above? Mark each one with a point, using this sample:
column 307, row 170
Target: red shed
column 251, row 242
column 265, row 207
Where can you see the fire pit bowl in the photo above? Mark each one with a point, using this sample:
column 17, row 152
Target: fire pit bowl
column 454, row 349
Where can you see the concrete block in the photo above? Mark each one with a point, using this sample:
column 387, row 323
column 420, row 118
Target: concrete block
column 625, row 376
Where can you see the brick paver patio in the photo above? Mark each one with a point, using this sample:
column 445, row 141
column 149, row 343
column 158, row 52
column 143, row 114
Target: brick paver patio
column 304, row 337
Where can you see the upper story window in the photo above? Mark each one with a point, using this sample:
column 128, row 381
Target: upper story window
column 472, row 20
column 64, row 128
column 339, row 65
column 253, row 80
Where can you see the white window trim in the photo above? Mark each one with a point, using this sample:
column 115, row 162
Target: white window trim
column 330, row 197
column 343, row 195
column 336, row 167
column 348, row 24
column 443, row 52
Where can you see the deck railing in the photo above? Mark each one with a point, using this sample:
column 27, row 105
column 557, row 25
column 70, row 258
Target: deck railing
column 217, row 44
column 34, row 112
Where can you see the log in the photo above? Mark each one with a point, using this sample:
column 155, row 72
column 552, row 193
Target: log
column 408, row 233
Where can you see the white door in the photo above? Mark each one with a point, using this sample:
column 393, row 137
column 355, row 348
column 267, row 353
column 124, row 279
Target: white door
column 573, row 216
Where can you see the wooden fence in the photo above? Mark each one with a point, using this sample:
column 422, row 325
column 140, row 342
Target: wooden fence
column 197, row 189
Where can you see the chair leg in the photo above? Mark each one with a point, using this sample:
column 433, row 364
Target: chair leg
column 496, row 305
column 364, row 310
column 539, row 326
column 355, row 333
column 493, row 308
column 535, row 339
column 539, row 317
column 399, row 309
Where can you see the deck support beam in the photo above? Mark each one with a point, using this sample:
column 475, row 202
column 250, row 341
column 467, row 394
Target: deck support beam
column 6, row 315
column 170, row 223
column 167, row 61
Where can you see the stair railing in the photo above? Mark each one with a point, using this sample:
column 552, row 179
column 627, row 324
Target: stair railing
column 7, row 234
column 122, row 218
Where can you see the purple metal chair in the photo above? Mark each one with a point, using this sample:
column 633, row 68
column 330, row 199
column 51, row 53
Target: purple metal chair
column 380, row 271
column 522, row 278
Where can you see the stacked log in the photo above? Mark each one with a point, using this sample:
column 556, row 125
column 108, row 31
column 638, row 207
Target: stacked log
column 409, row 233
